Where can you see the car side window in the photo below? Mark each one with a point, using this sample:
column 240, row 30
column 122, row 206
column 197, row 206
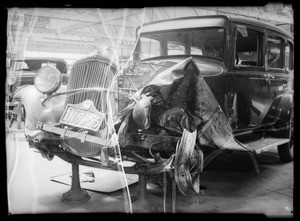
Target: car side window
column 288, row 56
column 274, row 51
column 149, row 48
column 248, row 47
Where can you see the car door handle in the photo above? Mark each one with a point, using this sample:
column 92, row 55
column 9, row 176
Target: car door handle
column 268, row 78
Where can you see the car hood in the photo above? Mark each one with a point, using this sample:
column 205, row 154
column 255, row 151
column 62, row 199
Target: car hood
column 146, row 70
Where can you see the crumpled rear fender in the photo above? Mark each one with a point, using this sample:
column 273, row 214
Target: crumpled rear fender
column 281, row 110
column 32, row 99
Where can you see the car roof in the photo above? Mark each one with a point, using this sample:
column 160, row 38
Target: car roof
column 207, row 21
column 35, row 62
column 184, row 22
column 255, row 22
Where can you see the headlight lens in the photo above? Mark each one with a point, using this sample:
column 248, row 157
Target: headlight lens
column 47, row 79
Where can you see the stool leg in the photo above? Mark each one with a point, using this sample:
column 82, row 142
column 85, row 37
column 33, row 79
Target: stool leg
column 143, row 204
column 76, row 194
column 142, row 188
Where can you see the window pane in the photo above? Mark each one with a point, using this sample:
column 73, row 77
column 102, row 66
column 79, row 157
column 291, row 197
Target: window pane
column 196, row 51
column 287, row 56
column 175, row 49
column 248, row 47
column 198, row 41
column 149, row 48
column 274, row 52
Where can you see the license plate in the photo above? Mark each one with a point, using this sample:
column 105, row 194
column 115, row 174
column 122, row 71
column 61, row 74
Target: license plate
column 83, row 115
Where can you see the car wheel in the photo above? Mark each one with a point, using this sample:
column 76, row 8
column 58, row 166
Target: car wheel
column 286, row 151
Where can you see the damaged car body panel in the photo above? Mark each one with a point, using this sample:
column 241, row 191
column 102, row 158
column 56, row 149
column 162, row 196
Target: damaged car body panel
column 182, row 104
column 181, row 99
column 212, row 82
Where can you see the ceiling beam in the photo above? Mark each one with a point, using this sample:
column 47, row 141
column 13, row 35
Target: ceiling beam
column 60, row 14
column 47, row 47
column 98, row 35
column 62, row 48
column 64, row 43
column 109, row 15
column 51, row 34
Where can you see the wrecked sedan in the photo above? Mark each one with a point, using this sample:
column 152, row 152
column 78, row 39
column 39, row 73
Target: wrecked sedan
column 213, row 82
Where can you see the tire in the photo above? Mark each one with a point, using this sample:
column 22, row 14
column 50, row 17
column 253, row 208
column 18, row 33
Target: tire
column 286, row 151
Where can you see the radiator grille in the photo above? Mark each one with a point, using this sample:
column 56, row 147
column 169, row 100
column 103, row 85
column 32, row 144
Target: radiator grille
column 88, row 73
column 91, row 73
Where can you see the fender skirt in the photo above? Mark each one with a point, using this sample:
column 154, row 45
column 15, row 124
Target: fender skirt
column 280, row 112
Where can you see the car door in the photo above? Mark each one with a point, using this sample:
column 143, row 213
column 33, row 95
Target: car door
column 278, row 64
column 252, row 95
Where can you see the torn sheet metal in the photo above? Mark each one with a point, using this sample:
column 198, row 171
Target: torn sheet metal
column 185, row 160
column 141, row 112
column 179, row 102
column 181, row 99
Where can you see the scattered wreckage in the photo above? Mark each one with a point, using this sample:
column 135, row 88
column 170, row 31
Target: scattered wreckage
column 166, row 107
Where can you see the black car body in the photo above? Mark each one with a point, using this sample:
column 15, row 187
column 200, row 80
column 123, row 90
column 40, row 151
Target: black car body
column 248, row 65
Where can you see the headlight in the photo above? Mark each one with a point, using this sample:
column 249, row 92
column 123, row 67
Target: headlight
column 47, row 79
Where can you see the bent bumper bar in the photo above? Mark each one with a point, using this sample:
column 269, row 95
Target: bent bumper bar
column 68, row 133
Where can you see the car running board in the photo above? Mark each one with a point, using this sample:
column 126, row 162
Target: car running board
column 264, row 144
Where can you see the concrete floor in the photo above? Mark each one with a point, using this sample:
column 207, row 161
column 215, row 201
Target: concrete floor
column 229, row 185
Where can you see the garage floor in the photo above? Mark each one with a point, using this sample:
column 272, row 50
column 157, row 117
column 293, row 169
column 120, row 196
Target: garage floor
column 229, row 185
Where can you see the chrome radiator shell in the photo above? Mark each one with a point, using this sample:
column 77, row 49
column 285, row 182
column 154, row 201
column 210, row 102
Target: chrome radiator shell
column 90, row 72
